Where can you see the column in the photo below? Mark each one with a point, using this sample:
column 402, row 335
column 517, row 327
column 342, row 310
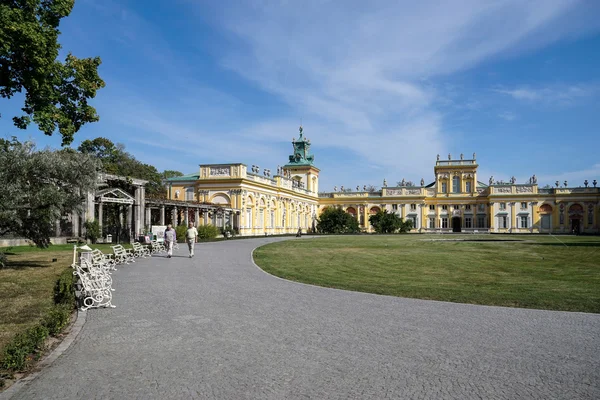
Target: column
column 187, row 216
column 57, row 228
column 148, row 219
column 129, row 218
column 205, row 213
column 75, row 223
column 196, row 217
column 174, row 216
column 162, row 215
column 99, row 217
column 138, row 216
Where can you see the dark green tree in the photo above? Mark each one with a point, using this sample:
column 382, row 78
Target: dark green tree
column 115, row 160
column 39, row 187
column 336, row 220
column 56, row 93
column 386, row 222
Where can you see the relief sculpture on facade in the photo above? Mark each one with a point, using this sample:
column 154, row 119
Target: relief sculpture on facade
column 524, row 189
column 220, row 171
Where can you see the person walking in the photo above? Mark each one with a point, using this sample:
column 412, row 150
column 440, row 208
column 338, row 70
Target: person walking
column 170, row 238
column 191, row 236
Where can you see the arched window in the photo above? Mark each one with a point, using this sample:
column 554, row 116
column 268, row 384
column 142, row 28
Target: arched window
column 456, row 184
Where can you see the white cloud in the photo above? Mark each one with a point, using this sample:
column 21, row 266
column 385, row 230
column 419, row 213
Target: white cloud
column 508, row 116
column 356, row 70
column 551, row 95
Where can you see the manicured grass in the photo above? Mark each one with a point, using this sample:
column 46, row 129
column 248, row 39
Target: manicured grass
column 27, row 285
column 543, row 272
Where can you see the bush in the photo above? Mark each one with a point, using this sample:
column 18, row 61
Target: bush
column 58, row 317
column 2, row 260
column 16, row 355
column 228, row 231
column 92, row 230
column 64, row 290
column 180, row 232
column 207, row 232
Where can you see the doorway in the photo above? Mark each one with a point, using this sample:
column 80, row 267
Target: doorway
column 456, row 224
column 575, row 225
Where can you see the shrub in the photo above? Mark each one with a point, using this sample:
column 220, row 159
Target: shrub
column 207, row 232
column 228, row 231
column 92, row 230
column 180, row 231
column 64, row 290
column 2, row 260
column 57, row 318
column 16, row 354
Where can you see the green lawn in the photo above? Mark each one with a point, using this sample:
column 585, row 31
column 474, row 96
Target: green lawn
column 27, row 285
column 544, row 272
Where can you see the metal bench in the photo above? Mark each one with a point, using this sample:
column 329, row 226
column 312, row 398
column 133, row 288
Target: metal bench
column 140, row 250
column 96, row 284
column 123, row 255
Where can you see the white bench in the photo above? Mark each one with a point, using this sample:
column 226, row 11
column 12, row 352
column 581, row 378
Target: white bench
column 123, row 255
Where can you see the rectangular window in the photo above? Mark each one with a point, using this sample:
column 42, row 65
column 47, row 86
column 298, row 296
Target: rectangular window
column 503, row 222
column 481, row 222
column 481, row 207
column 395, row 207
column 456, row 184
column 413, row 207
column 432, row 223
column 468, row 222
column 444, row 187
column 524, row 221
column 468, row 187
column 414, row 222
column 249, row 218
column 444, row 207
column 444, row 222
column 523, row 205
column 456, row 206
column 189, row 194
column 432, row 207
column 503, row 206
column 468, row 207
column 272, row 224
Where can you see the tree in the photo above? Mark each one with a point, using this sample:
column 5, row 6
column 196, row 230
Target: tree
column 336, row 220
column 115, row 160
column 386, row 222
column 39, row 187
column 166, row 174
column 56, row 93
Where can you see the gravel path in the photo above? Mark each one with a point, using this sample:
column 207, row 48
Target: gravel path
column 217, row 327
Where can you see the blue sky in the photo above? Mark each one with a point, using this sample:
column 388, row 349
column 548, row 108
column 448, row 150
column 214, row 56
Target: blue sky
column 381, row 87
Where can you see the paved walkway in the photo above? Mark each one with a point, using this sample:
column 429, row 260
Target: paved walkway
column 216, row 327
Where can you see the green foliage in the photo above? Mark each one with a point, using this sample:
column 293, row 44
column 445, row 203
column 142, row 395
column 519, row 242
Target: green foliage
column 64, row 290
column 228, row 231
column 386, row 222
column 115, row 160
column 56, row 93
column 207, row 232
column 39, row 187
column 2, row 260
column 92, row 230
column 57, row 318
column 16, row 354
column 180, row 231
column 336, row 220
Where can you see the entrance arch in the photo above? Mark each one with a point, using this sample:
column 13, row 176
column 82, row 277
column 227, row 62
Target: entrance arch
column 576, row 218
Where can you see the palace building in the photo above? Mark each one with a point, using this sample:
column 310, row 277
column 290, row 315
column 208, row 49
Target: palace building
column 259, row 202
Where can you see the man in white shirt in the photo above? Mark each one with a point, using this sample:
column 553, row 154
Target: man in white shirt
column 191, row 236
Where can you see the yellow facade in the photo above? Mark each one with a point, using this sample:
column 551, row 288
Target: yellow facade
column 456, row 201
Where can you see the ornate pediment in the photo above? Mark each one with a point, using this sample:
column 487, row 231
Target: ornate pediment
column 114, row 195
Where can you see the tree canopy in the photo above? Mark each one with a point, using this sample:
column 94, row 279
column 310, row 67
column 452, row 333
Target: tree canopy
column 336, row 220
column 115, row 160
column 386, row 222
column 41, row 186
column 56, row 93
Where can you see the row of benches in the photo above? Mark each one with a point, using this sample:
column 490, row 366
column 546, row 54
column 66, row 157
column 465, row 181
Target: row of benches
column 95, row 269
